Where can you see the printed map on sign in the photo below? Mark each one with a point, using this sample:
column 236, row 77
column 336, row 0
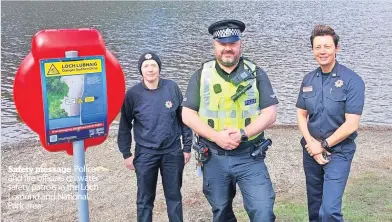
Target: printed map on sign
column 75, row 101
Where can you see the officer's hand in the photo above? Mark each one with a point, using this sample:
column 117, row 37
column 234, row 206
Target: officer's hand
column 223, row 140
column 235, row 134
column 129, row 163
column 314, row 147
column 187, row 157
column 320, row 159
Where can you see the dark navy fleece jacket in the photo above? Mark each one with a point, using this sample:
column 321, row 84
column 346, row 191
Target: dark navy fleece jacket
column 155, row 117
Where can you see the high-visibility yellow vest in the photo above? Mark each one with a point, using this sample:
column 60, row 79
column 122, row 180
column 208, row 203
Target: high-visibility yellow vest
column 217, row 109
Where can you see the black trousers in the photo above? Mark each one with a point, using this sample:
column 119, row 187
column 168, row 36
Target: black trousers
column 325, row 184
column 171, row 166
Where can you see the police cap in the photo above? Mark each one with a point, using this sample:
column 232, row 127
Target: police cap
column 227, row 30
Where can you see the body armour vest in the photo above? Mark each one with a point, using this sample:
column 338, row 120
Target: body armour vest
column 217, row 109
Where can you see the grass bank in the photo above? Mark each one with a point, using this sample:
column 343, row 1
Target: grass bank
column 368, row 197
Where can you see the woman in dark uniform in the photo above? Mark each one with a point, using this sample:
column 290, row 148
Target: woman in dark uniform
column 330, row 105
column 153, row 109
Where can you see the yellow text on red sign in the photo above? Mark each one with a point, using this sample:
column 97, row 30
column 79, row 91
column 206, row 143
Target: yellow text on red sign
column 73, row 67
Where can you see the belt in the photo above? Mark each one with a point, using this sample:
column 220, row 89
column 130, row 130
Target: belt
column 234, row 152
column 246, row 147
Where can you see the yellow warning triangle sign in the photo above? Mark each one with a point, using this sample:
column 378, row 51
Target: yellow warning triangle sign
column 53, row 70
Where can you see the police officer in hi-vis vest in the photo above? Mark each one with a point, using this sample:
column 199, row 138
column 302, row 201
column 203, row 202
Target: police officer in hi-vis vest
column 229, row 102
column 330, row 104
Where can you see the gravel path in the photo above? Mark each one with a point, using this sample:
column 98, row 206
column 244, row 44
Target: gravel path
column 48, row 196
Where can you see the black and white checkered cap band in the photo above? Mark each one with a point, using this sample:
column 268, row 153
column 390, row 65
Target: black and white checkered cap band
column 226, row 33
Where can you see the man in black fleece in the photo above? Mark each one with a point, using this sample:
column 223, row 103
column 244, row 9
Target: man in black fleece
column 153, row 109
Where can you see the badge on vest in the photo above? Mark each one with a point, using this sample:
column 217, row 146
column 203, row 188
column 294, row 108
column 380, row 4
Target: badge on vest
column 307, row 89
column 250, row 102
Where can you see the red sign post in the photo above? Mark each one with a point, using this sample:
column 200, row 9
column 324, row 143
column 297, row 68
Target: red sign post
column 50, row 44
column 58, row 60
